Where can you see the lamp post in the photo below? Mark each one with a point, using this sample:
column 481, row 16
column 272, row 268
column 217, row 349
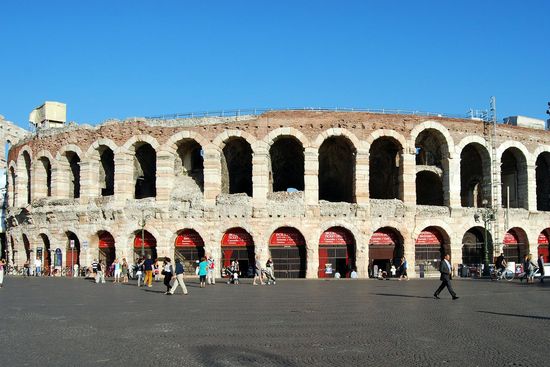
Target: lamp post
column 487, row 216
column 142, row 223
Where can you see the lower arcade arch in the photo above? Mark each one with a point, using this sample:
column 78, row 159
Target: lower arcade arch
column 288, row 252
column 385, row 249
column 237, row 245
column 189, row 249
column 72, row 256
column 430, row 247
column 336, row 253
column 543, row 244
column 473, row 247
column 43, row 252
column 106, row 248
column 515, row 245
column 145, row 244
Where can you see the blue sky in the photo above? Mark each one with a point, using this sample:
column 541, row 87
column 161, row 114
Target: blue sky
column 116, row 59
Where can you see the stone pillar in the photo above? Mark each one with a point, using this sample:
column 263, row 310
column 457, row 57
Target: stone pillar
column 362, row 176
column 409, row 178
column 260, row 177
column 212, row 174
column 165, row 176
column 456, row 255
column 312, row 249
column 89, row 180
column 362, row 259
column 409, row 247
column 451, row 182
column 311, row 176
column 21, row 186
column 531, row 187
column 60, row 179
column 124, row 177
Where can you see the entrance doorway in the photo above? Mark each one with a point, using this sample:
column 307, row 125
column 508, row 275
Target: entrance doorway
column 145, row 246
column 189, row 249
column 385, row 249
column 106, row 246
column 429, row 249
column 288, row 252
column 336, row 253
column 237, row 244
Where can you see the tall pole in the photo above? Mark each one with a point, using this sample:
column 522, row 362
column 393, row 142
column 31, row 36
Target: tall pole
column 142, row 234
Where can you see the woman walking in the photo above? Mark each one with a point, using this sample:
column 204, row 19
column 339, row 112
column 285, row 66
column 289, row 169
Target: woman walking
column 117, row 271
column 203, row 270
column 167, row 271
column 124, row 271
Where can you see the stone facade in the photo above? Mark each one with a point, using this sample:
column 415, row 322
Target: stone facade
column 360, row 173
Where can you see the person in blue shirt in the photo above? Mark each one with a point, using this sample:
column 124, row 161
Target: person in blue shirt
column 203, row 270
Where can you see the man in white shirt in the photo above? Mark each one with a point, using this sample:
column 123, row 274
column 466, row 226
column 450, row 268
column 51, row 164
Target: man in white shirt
column 446, row 271
column 38, row 267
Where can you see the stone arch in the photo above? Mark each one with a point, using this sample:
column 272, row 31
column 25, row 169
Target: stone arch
column 475, row 173
column 130, row 145
column 149, row 250
column 68, row 173
column 426, row 125
column 473, row 246
column 241, row 247
column 515, row 244
column 287, row 246
column 514, row 159
column 431, row 243
column 12, row 169
column 386, row 248
column 542, row 177
column 320, row 139
column 337, row 181
column 273, row 135
column 92, row 152
column 236, row 164
column 187, row 155
column 43, row 167
column 340, row 254
column 171, row 145
column 386, row 133
column 220, row 140
column 24, row 175
column 286, row 161
column 386, row 167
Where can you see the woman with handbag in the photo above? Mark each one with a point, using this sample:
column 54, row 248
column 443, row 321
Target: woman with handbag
column 167, row 271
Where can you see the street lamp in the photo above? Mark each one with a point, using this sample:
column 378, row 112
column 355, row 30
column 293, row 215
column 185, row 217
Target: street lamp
column 142, row 223
column 487, row 216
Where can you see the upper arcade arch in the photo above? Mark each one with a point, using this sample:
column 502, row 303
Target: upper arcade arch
column 542, row 173
column 475, row 175
column 514, row 177
column 386, row 169
column 337, row 165
column 286, row 164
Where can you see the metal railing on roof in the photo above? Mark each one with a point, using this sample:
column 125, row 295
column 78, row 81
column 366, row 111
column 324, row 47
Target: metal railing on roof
column 259, row 111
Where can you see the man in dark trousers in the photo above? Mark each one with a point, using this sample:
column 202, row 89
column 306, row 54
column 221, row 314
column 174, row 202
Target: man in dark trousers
column 541, row 268
column 445, row 277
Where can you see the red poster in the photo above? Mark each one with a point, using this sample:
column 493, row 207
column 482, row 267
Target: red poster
column 429, row 237
column 382, row 238
column 150, row 241
column 237, row 237
column 189, row 238
column 106, row 240
column 336, row 236
column 543, row 239
column 286, row 237
column 510, row 239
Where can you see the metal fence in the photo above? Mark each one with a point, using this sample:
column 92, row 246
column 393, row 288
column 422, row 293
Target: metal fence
column 259, row 111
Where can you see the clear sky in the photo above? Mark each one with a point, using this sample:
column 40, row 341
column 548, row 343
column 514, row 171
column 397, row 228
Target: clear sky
column 117, row 59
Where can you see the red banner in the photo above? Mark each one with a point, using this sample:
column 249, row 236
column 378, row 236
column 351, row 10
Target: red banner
column 383, row 238
column 237, row 237
column 189, row 238
column 510, row 239
column 286, row 237
column 150, row 241
column 336, row 236
column 543, row 239
column 106, row 240
column 429, row 237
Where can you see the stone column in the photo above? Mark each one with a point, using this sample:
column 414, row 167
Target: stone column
column 60, row 179
column 362, row 176
column 531, row 187
column 456, row 255
column 124, row 177
column 311, row 176
column 409, row 178
column 451, row 185
column 260, row 178
column 165, row 176
column 212, row 174
column 409, row 247
column 89, row 180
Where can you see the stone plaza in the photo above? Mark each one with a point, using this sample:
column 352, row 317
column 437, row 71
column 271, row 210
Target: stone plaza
column 74, row 322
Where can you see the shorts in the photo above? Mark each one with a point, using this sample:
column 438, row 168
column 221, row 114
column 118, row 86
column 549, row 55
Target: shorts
column 202, row 278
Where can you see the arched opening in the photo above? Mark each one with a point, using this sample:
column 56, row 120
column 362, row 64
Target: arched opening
column 44, row 253
column 288, row 252
column 430, row 247
column 474, row 175
column 106, row 170
column 12, row 187
column 28, row 250
column 237, row 167
column 543, row 241
column 43, row 178
column 73, row 250
column 106, row 248
column 144, row 246
column 515, row 245
column 473, row 243
column 385, row 249
column 337, row 170
column 287, row 164
column 429, row 189
column 431, row 167
column 543, row 181
column 386, row 169
column 189, row 165
column 145, row 171
column 514, row 178
column 27, row 176
column 336, row 252
column 189, row 247
column 237, row 244
column 74, row 174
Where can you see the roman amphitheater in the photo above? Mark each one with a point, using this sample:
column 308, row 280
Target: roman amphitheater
column 319, row 191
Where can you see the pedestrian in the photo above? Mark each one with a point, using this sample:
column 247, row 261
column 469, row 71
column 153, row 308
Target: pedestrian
column 211, row 271
column 2, row 265
column 94, row 267
column 531, row 268
column 38, row 267
column 446, row 276
column 403, row 269
column 257, row 272
column 203, row 270
column 75, row 270
column 156, row 270
column 167, row 271
column 179, row 278
column 148, row 268
column 117, row 271
column 541, row 268
column 100, row 277
column 139, row 271
column 393, row 271
column 125, row 270
column 270, row 272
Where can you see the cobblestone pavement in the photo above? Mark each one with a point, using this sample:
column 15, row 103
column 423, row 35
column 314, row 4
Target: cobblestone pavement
column 74, row 322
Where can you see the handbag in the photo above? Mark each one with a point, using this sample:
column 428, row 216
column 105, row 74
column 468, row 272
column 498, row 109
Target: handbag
column 163, row 272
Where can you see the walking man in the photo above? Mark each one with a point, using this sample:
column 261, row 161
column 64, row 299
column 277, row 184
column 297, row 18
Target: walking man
column 541, row 268
column 179, row 278
column 100, row 277
column 446, row 271
column 38, row 267
column 148, row 267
